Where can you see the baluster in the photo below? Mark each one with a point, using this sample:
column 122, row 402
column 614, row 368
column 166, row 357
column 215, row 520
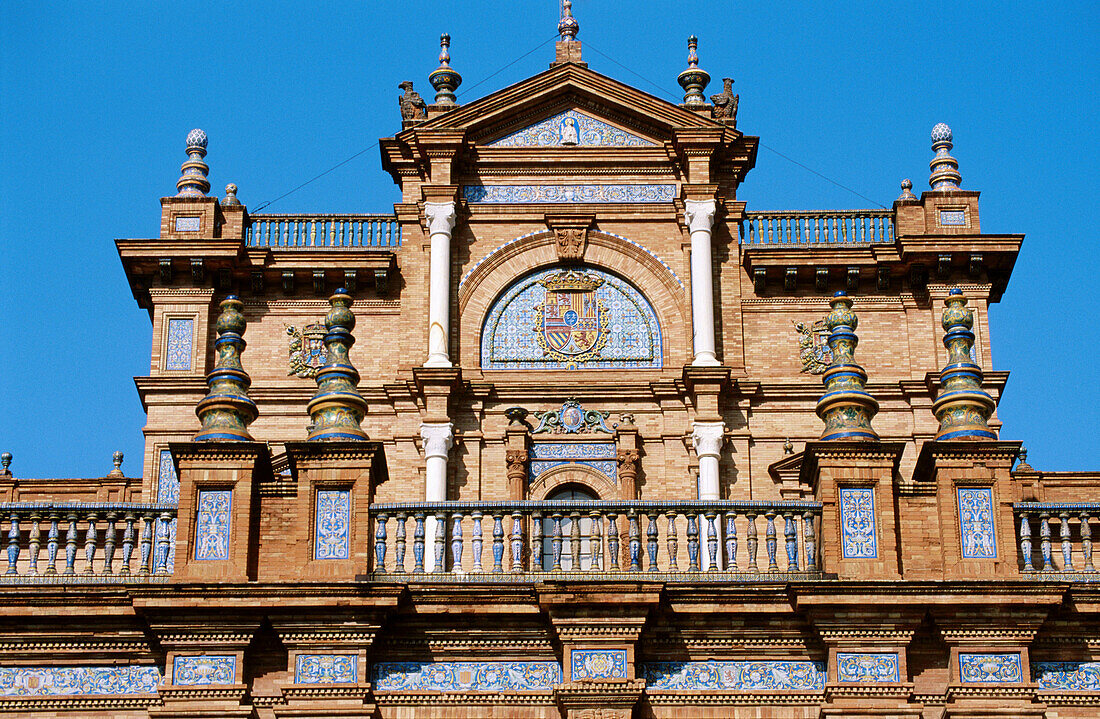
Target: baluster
column 808, row 538
column 89, row 544
column 693, row 542
column 13, row 544
column 517, row 541
column 498, row 543
column 418, row 543
column 555, row 542
column 575, row 541
column 889, row 229
column 595, row 542
column 816, row 222
column 476, row 540
column 312, row 242
column 34, row 543
column 791, row 535
column 456, row 542
column 670, row 539
column 635, row 543
column 370, row 233
column 359, row 233
column 863, row 229
column 162, row 543
column 1067, row 547
column 770, row 539
column 109, row 540
column 844, row 229
column 146, row 542
column 440, row 541
column 267, row 233
column 1086, row 542
column 51, row 544
column 731, row 541
column 835, row 222
column 127, row 544
column 536, row 541
column 1044, row 540
column 332, row 238
column 785, row 228
column 613, row 540
column 297, row 232
column 342, row 223
column 712, row 542
column 380, row 542
column 399, row 543
column 753, row 544
column 768, row 221
column 651, row 541
column 1025, row 541
column 798, row 230
column 70, row 545
column 286, row 233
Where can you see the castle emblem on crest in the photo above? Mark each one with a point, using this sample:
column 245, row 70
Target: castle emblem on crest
column 813, row 350
column 307, row 350
column 572, row 322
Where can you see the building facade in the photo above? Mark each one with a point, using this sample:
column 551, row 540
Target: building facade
column 573, row 432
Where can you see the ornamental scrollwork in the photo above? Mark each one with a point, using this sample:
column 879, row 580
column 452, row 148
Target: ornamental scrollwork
column 572, row 418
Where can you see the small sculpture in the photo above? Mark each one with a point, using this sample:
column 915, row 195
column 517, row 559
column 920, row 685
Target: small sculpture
column 725, row 102
column 516, row 415
column 231, row 195
column 116, row 459
column 412, row 105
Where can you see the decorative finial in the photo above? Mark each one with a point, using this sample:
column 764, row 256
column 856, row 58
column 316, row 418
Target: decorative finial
column 568, row 27
column 226, row 411
column 788, row 446
column 906, row 191
column 444, row 79
column 962, row 408
column 5, row 462
column 193, row 182
column 1022, row 465
column 116, row 459
column 337, row 408
column 412, row 106
column 231, row 195
column 846, row 407
column 516, row 415
column 694, row 80
column 945, row 169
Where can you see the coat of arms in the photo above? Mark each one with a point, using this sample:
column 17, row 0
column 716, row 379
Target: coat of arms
column 307, row 350
column 572, row 322
column 813, row 350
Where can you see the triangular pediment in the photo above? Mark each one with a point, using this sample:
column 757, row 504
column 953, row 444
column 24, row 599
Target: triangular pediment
column 571, row 128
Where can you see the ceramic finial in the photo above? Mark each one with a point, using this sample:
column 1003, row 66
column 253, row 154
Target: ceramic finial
column 945, row 169
column 568, row 27
column 193, row 182
column 906, row 191
column 963, row 407
column 444, row 78
column 694, row 79
column 226, row 411
column 846, row 407
column 337, row 408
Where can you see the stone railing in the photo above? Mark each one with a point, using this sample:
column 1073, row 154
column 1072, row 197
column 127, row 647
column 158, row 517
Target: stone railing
column 531, row 541
column 323, row 231
column 86, row 542
column 1072, row 531
column 817, row 227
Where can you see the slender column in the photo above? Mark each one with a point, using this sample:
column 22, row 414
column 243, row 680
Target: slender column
column 699, row 215
column 707, row 438
column 441, row 221
column 438, row 439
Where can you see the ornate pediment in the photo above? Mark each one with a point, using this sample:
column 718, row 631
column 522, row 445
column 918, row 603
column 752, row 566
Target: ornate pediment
column 571, row 128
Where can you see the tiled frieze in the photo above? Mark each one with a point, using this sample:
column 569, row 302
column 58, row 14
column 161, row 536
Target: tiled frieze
column 325, row 668
column 332, row 531
column 867, row 667
column 78, row 681
column 571, row 128
column 181, row 338
column 212, row 524
column 857, row 523
column 1074, row 676
column 598, row 664
column 205, row 669
column 465, row 676
column 741, row 676
column 976, row 522
column 557, row 194
column 990, row 668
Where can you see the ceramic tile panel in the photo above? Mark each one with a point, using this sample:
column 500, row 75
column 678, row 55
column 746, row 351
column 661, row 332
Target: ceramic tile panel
column 168, row 484
column 205, row 669
column 857, row 523
column 990, row 668
column 571, row 128
column 181, row 338
column 332, row 530
column 736, row 675
column 976, row 522
column 867, row 667
column 78, row 681
column 212, row 524
column 1074, row 676
column 598, row 664
column 567, row 194
column 466, row 676
column 325, row 668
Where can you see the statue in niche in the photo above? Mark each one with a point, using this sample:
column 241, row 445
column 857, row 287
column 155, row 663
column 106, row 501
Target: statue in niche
column 725, row 103
column 570, row 131
column 412, row 105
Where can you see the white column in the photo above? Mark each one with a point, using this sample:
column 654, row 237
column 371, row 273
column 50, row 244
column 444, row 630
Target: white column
column 438, row 439
column 708, row 438
column 441, row 221
column 700, row 218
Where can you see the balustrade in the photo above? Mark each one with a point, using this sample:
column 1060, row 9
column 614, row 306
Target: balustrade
column 322, row 231
column 583, row 539
column 1074, row 536
column 108, row 534
column 817, row 226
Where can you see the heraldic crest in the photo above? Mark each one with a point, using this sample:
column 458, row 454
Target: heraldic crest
column 307, row 350
column 813, row 350
column 572, row 323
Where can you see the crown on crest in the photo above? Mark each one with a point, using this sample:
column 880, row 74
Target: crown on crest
column 571, row 281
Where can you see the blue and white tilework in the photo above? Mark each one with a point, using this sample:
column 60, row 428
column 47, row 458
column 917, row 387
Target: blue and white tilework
column 990, row 668
column 857, row 523
column 188, row 224
column 553, row 194
column 741, row 676
column 212, row 524
column 510, row 336
column 168, row 484
column 333, row 524
column 181, row 337
column 206, row 669
column 325, row 668
column 78, row 681
column 949, row 218
column 867, row 667
column 598, row 664
column 571, row 128
column 976, row 522
column 1074, row 676
column 465, row 676
column 598, row 456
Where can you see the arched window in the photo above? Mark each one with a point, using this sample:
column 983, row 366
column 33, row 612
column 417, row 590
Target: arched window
column 568, row 493
column 571, row 318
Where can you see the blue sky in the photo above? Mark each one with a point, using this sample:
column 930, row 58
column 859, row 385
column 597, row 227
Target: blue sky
column 96, row 98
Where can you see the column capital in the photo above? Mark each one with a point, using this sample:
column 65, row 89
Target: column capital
column 699, row 214
column 707, row 438
column 438, row 438
column 441, row 217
